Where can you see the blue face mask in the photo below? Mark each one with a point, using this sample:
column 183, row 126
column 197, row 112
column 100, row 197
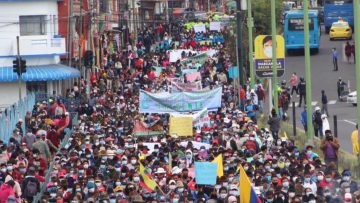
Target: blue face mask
column 269, row 200
column 268, row 178
column 286, row 184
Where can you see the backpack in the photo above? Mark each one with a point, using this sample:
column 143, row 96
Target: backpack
column 31, row 188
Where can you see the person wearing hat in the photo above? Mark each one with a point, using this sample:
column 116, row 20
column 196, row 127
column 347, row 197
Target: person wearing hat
column 317, row 122
column 330, row 146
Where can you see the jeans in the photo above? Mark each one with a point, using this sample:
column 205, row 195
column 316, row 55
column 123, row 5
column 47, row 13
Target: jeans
column 335, row 62
column 324, row 109
column 302, row 96
column 294, row 89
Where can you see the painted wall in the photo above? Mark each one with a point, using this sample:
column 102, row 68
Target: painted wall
column 9, row 93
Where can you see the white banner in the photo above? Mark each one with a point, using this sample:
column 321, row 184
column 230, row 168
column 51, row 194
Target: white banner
column 215, row 26
column 199, row 28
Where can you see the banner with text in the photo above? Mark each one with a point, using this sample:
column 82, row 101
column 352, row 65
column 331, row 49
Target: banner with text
column 181, row 126
column 165, row 102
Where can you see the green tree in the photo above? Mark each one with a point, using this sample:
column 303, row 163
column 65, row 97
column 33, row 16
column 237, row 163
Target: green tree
column 262, row 16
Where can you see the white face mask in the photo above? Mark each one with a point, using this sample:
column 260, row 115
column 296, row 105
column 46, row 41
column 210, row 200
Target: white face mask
column 268, row 51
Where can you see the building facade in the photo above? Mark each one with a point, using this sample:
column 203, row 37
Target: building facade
column 36, row 24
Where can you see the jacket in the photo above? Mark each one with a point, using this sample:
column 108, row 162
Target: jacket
column 302, row 87
column 355, row 142
column 274, row 123
column 26, row 181
column 335, row 144
column 5, row 191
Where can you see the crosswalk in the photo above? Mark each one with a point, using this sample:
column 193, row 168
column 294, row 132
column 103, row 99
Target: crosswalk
column 315, row 103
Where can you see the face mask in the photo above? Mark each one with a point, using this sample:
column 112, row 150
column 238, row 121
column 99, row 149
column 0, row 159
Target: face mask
column 124, row 162
column 268, row 51
column 269, row 200
column 338, row 180
column 180, row 190
column 22, row 170
column 287, row 164
column 78, row 189
column 226, row 168
column 223, row 195
column 291, row 194
column 231, row 179
column 274, row 166
column 172, row 187
column 312, row 201
column 133, row 161
column 307, row 180
column 345, row 178
column 267, row 167
column 347, row 190
column 175, row 200
column 10, row 168
column 92, row 190
column 123, row 174
column 268, row 178
column 246, row 168
column 136, row 179
column 320, row 178
column 308, row 193
column 188, row 156
column 52, row 195
column 286, row 184
column 88, row 156
column 235, row 193
column 327, row 194
column 3, row 170
column 86, row 166
column 328, row 180
column 112, row 200
column 98, row 184
column 278, row 142
column 117, row 169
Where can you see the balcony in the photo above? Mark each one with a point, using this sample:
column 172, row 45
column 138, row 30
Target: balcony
column 41, row 45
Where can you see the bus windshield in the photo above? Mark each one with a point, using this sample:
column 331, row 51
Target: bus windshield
column 297, row 24
column 338, row 2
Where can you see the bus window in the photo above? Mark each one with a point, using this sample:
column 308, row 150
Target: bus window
column 297, row 24
column 338, row 1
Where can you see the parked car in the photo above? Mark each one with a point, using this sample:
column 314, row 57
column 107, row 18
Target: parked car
column 340, row 29
column 352, row 98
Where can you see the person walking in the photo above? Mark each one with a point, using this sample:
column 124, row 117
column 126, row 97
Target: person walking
column 348, row 51
column 340, row 87
column 335, row 59
column 324, row 102
column 353, row 51
column 302, row 91
column 274, row 123
column 294, row 82
column 317, row 122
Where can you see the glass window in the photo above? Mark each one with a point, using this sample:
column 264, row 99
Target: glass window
column 32, row 25
column 297, row 24
column 36, row 86
column 338, row 1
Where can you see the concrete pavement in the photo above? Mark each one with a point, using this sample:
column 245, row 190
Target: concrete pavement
column 323, row 78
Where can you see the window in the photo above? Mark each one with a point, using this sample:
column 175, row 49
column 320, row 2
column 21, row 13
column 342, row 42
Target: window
column 32, row 25
column 36, row 86
column 297, row 24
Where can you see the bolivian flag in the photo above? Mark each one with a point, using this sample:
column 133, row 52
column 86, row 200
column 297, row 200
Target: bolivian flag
column 247, row 192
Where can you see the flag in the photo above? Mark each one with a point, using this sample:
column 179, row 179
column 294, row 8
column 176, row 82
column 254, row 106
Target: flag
column 147, row 180
column 247, row 192
column 220, row 167
column 285, row 135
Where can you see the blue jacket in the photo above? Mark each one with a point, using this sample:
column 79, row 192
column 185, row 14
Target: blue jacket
column 303, row 118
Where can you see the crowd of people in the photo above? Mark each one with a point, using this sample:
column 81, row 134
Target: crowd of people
column 101, row 161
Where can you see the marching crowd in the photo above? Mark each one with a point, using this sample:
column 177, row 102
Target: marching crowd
column 102, row 158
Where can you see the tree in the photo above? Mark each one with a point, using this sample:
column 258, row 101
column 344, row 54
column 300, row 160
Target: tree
column 262, row 16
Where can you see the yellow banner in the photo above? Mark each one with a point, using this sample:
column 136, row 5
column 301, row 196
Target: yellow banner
column 263, row 47
column 181, row 126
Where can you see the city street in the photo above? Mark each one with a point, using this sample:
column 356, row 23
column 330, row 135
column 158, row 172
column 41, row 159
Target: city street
column 323, row 78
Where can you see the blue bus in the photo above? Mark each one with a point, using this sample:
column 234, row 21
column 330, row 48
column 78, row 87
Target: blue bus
column 334, row 10
column 294, row 30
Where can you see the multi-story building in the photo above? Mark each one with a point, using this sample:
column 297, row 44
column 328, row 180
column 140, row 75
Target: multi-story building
column 36, row 24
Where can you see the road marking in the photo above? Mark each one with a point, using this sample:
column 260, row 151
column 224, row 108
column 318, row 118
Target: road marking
column 332, row 102
column 296, row 104
column 347, row 121
column 314, row 103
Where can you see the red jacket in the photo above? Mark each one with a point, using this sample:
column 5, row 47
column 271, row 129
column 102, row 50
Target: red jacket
column 41, row 163
column 53, row 136
column 6, row 191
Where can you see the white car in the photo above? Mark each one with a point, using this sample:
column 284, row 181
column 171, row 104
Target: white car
column 352, row 98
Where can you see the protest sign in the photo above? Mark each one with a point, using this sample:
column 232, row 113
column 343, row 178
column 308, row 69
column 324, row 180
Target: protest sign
column 187, row 87
column 165, row 102
column 188, row 71
column 199, row 28
column 181, row 126
column 176, row 54
column 233, row 72
column 151, row 146
column 191, row 77
column 201, row 58
column 215, row 26
column 142, row 129
column 196, row 145
column 205, row 173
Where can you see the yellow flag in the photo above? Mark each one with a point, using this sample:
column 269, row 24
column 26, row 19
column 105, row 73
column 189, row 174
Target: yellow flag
column 148, row 181
column 220, row 167
column 285, row 135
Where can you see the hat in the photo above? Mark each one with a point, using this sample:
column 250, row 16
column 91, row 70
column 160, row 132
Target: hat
column 160, row 170
column 176, row 170
column 118, row 189
column 317, row 108
column 110, row 152
column 179, row 184
column 172, row 182
column 232, row 199
column 348, row 197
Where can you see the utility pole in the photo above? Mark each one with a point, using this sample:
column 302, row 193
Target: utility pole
column 250, row 24
column 70, row 37
column 310, row 129
column 239, row 40
column 19, row 66
column 274, row 61
column 80, row 44
column 357, row 56
column 208, row 3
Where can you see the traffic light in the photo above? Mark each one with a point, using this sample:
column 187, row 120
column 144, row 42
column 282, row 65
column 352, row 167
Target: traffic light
column 89, row 58
column 16, row 66
column 23, row 65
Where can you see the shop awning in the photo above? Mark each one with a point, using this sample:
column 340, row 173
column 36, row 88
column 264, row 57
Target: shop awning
column 40, row 73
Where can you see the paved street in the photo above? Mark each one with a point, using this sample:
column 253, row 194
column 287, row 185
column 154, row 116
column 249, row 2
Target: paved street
column 323, row 78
